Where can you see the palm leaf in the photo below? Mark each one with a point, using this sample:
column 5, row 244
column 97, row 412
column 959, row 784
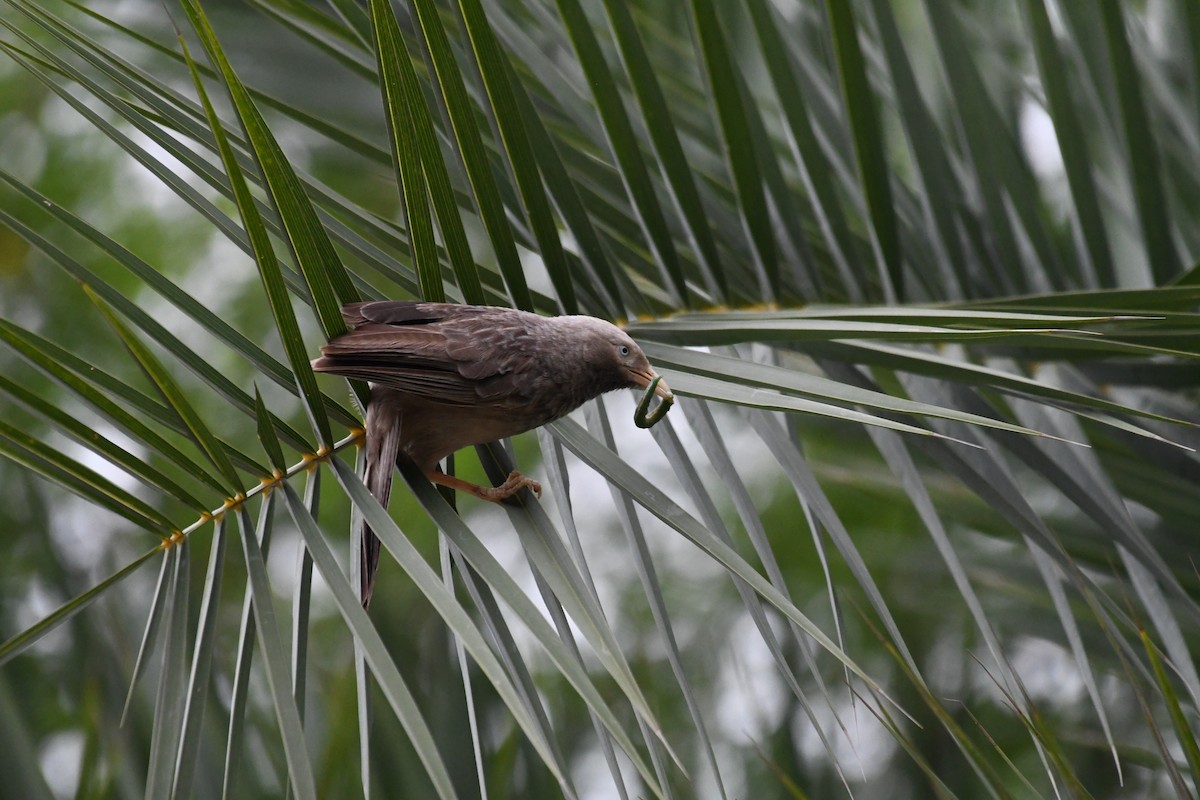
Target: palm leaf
column 1004, row 459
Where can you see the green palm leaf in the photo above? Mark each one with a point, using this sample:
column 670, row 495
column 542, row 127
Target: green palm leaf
column 930, row 481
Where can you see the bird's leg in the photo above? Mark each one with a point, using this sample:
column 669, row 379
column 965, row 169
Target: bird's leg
column 515, row 483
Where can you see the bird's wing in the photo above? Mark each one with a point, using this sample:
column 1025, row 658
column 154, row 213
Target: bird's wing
column 402, row 312
column 450, row 354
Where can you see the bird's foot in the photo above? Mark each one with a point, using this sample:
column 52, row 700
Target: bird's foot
column 515, row 483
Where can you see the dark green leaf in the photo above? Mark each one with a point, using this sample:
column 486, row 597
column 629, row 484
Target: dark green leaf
column 18, row 644
column 264, row 255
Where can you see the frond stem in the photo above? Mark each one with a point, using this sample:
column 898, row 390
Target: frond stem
column 307, row 462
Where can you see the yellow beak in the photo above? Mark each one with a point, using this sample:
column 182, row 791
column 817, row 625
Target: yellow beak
column 644, row 379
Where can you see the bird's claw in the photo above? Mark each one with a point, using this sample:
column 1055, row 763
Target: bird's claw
column 513, row 484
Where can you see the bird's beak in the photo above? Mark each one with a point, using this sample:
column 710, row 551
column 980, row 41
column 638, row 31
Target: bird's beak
column 644, row 379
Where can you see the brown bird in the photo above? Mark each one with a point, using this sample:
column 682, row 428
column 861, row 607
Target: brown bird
column 446, row 376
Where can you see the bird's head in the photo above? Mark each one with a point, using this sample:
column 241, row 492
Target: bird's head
column 614, row 353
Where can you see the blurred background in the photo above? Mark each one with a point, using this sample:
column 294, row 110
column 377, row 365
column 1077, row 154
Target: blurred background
column 1093, row 716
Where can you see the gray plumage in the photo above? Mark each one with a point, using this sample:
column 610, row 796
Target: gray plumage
column 446, row 376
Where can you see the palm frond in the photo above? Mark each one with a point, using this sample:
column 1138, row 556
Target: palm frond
column 919, row 273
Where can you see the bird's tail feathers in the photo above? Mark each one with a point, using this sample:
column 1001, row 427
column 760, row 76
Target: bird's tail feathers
column 383, row 444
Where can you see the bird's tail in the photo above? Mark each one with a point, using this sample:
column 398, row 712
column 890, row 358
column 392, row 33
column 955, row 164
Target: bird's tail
column 383, row 444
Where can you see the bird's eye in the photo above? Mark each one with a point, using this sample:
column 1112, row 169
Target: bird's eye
column 623, row 350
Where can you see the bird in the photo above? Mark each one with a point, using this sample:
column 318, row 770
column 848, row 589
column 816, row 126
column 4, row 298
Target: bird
column 445, row 376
